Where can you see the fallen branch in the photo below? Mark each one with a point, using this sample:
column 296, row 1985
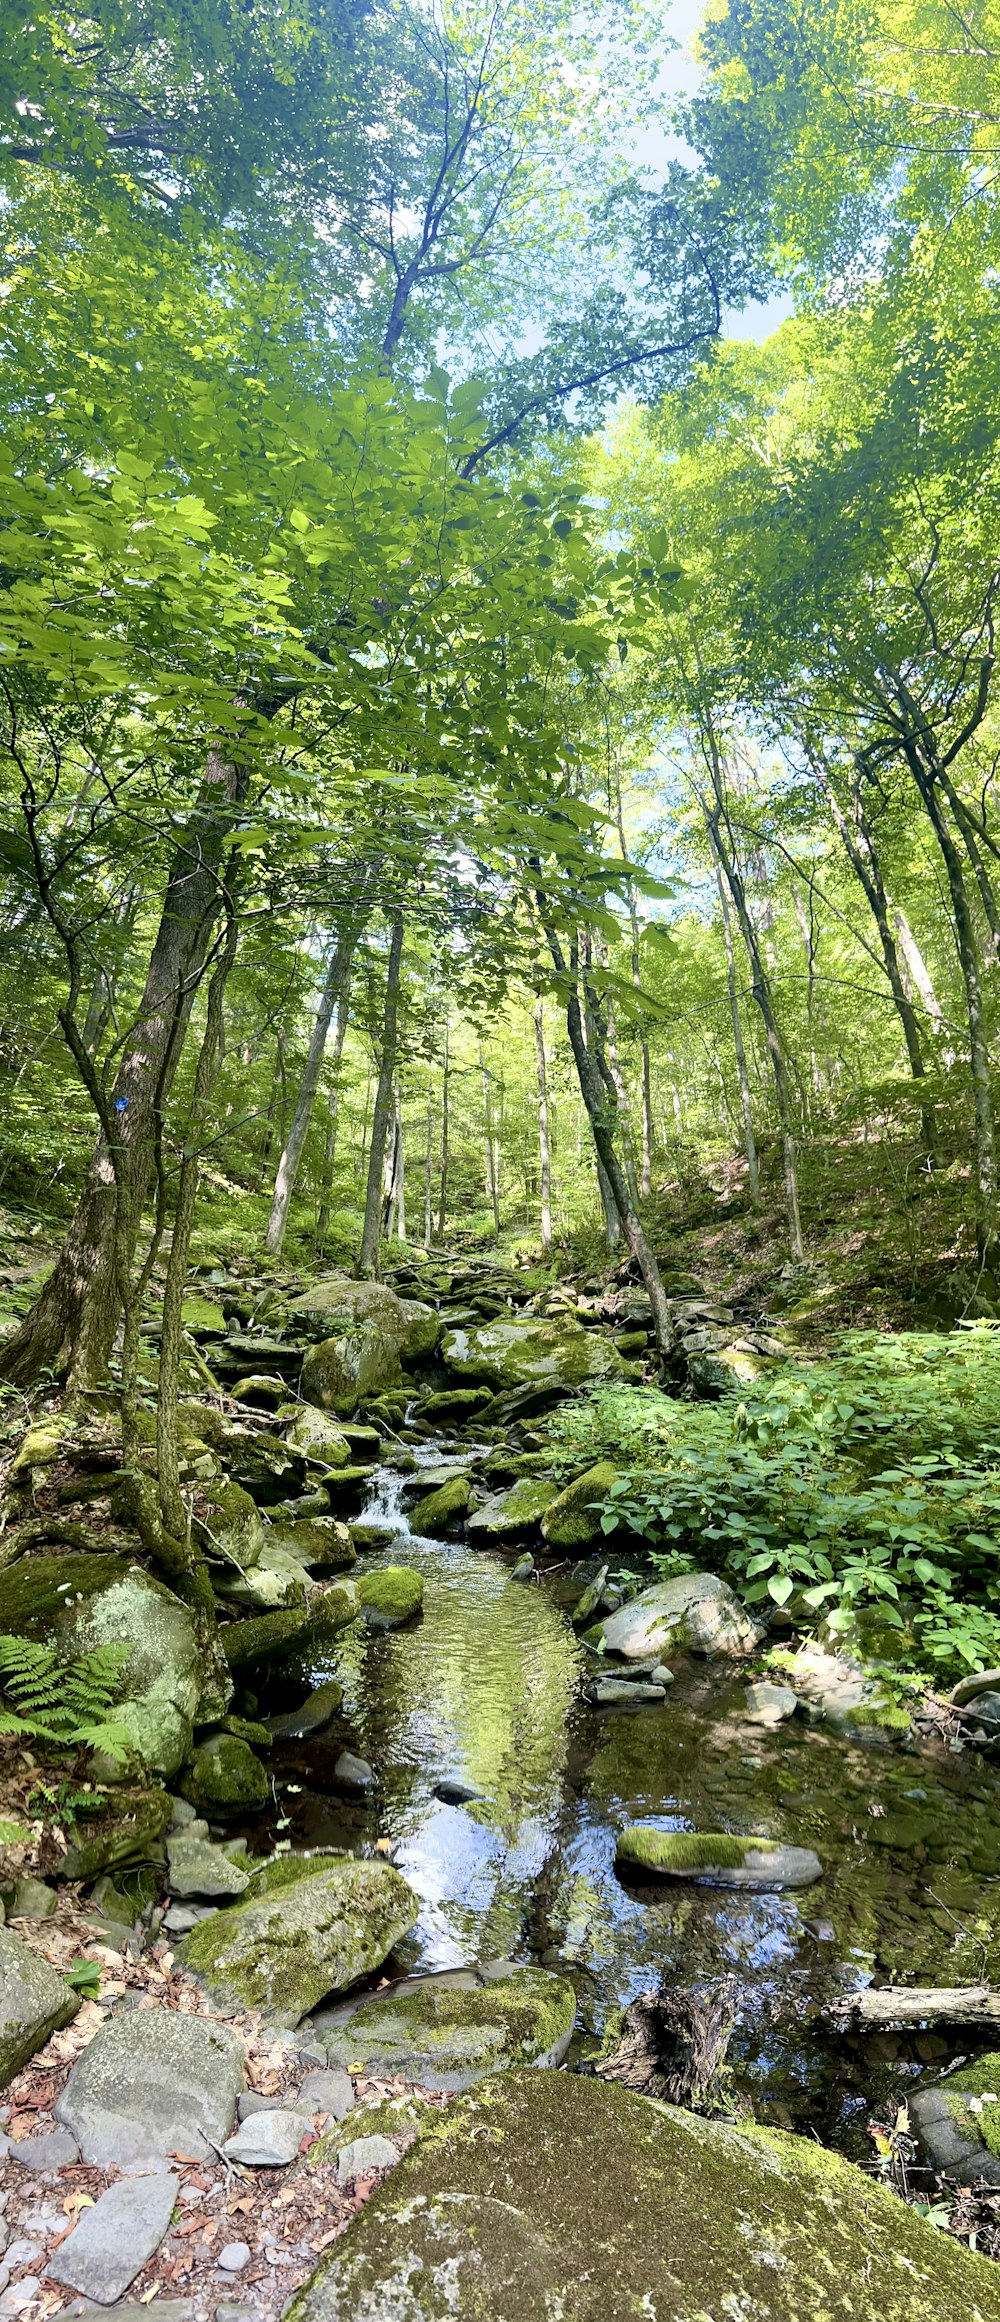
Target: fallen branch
column 876, row 2010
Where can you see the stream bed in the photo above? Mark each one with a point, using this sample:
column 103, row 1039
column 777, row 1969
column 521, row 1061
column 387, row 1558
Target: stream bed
column 485, row 1689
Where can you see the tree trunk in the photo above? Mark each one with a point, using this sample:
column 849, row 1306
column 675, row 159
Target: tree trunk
column 969, row 960
column 370, row 1239
column 333, row 1110
column 445, row 1092
column 879, row 2009
column 743, row 1076
column 920, row 975
column 490, row 1147
column 859, row 847
column 335, row 982
column 428, row 1168
column 72, row 1323
column 544, row 1157
column 399, row 1172
column 597, row 1091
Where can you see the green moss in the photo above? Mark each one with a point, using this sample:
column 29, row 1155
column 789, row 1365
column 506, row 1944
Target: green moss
column 247, row 1729
column 283, row 1949
column 281, row 1871
column 387, row 2119
column 979, row 2079
column 448, row 2037
column 888, row 1716
column 391, row 1596
column 438, row 1510
column 248, row 1643
column 574, row 1518
column 678, row 1850
column 36, row 1590
column 224, row 1777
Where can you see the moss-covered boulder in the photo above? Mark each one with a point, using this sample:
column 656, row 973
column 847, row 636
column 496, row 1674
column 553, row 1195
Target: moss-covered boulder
column 75, row 1603
column 726, row 1370
column 531, row 1351
column 447, row 2031
column 316, row 1435
column 543, row 2194
column 332, row 1610
column 251, row 1644
column 512, row 1513
column 697, row 1611
column 394, row 2117
column 231, row 1523
column 335, row 1306
column 438, row 1511
column 340, row 1373
column 34, row 2003
column 134, row 1822
column 574, row 1518
column 224, row 1777
column 714, row 1859
column 308, row 1926
column 391, row 1596
column 958, row 2123
column 457, row 1403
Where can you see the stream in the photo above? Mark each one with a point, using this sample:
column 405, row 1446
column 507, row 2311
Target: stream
column 484, row 1689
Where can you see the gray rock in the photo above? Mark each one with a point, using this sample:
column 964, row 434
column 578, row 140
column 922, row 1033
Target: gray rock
column 20, row 2295
column 454, row 1792
column 524, row 1568
column 950, row 2131
column 355, row 1773
column 235, row 2257
column 152, row 2082
column 314, row 1713
column 310, row 1925
column 447, row 2031
column 34, row 2003
column 268, row 2140
column 184, row 1816
column 32, row 1899
column 56, row 2150
column 364, row 2157
column 161, row 2310
column 181, row 1917
column 198, row 1868
column 329, row 2092
column 112, row 2241
column 696, row 1610
column 618, row 1693
column 770, row 1704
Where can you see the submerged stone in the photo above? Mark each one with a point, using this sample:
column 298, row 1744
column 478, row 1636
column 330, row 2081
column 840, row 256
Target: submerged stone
column 715, row 1858
column 306, row 1928
column 544, row 2194
column 446, row 2038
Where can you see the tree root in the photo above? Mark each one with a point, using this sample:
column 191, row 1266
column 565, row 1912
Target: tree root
column 674, row 2043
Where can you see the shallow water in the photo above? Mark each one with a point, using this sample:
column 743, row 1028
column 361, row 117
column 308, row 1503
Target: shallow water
column 485, row 1687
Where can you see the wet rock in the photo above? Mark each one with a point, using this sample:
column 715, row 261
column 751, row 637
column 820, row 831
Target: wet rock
column 524, row 1569
column 452, row 1791
column 715, row 1859
column 530, row 1351
column 198, row 1868
column 592, row 1595
column 267, row 2140
column 438, row 1511
column 332, row 1610
column 224, row 1777
column 516, row 2208
column 770, row 1704
column 519, row 1510
column 840, row 1690
column 617, row 1693
column 430, row 2029
column 353, row 1773
column 309, row 1925
column 113, row 2240
column 697, row 1610
column 151, row 2082
column 34, row 2003
column 391, row 1596
column 315, row 1713
column 574, row 1518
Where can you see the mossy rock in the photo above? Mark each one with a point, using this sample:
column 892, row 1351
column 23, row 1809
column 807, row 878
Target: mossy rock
column 455, row 1402
column 574, row 1518
column 715, row 1858
column 232, row 1523
column 251, row 1644
column 34, row 2003
column 530, row 1351
column 224, row 1777
column 294, row 1939
column 202, row 1317
column 340, row 1373
column 438, row 1511
column 390, row 1596
column 137, row 1818
column 76, row 1603
column 277, row 1872
column 515, row 1512
column 394, row 2117
column 544, row 2194
column 428, row 2031
column 322, row 1543
column 318, row 1438
column 332, row 1610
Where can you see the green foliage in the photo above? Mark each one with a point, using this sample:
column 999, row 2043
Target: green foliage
column 63, row 1703
column 84, row 1976
column 868, row 1483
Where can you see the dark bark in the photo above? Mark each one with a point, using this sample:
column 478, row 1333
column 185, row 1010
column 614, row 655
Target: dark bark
column 674, row 2043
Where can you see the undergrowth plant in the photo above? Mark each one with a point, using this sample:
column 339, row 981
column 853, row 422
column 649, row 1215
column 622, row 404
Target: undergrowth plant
column 66, row 1704
column 865, row 1485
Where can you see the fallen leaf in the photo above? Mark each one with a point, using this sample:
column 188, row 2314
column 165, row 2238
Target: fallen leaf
column 74, row 2202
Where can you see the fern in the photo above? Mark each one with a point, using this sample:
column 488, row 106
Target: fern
column 65, row 1703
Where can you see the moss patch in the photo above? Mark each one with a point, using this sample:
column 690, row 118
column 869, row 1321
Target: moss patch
column 282, row 1950
column 246, row 1644
column 980, row 2082
column 680, row 1850
column 437, row 1511
column 448, row 2038
column 224, row 1777
column 574, row 1518
column 391, row 1596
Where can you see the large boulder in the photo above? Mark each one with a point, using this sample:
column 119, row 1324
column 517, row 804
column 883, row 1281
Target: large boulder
column 697, row 1611
column 958, row 2123
column 440, row 1510
column 34, row 2003
column 224, row 1777
column 447, row 2031
column 309, row 1925
column 544, row 2194
column 517, row 1511
column 336, row 1305
column 232, row 1524
column 573, row 1519
column 75, row 1603
column 531, row 1351
column 342, row 1372
column 152, row 2082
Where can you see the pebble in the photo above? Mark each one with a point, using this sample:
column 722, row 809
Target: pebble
column 234, row 2257
column 22, row 2253
column 267, row 2140
column 20, row 2295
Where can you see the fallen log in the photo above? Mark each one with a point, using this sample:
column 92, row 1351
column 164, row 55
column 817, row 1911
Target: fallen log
column 988, row 1681
column 896, row 2005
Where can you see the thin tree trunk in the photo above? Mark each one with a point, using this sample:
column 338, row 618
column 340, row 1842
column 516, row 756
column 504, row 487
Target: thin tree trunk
column 920, row 975
column 370, row 1239
column 72, row 1324
column 739, row 1044
column 544, row 1156
column 489, row 1146
column 428, row 1167
column 445, row 1093
column 335, row 982
column 400, row 1171
column 332, row 1118
column 859, row 847
column 969, row 960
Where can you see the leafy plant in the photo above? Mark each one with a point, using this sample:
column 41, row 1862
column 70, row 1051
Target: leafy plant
column 84, row 1976
column 64, row 1703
